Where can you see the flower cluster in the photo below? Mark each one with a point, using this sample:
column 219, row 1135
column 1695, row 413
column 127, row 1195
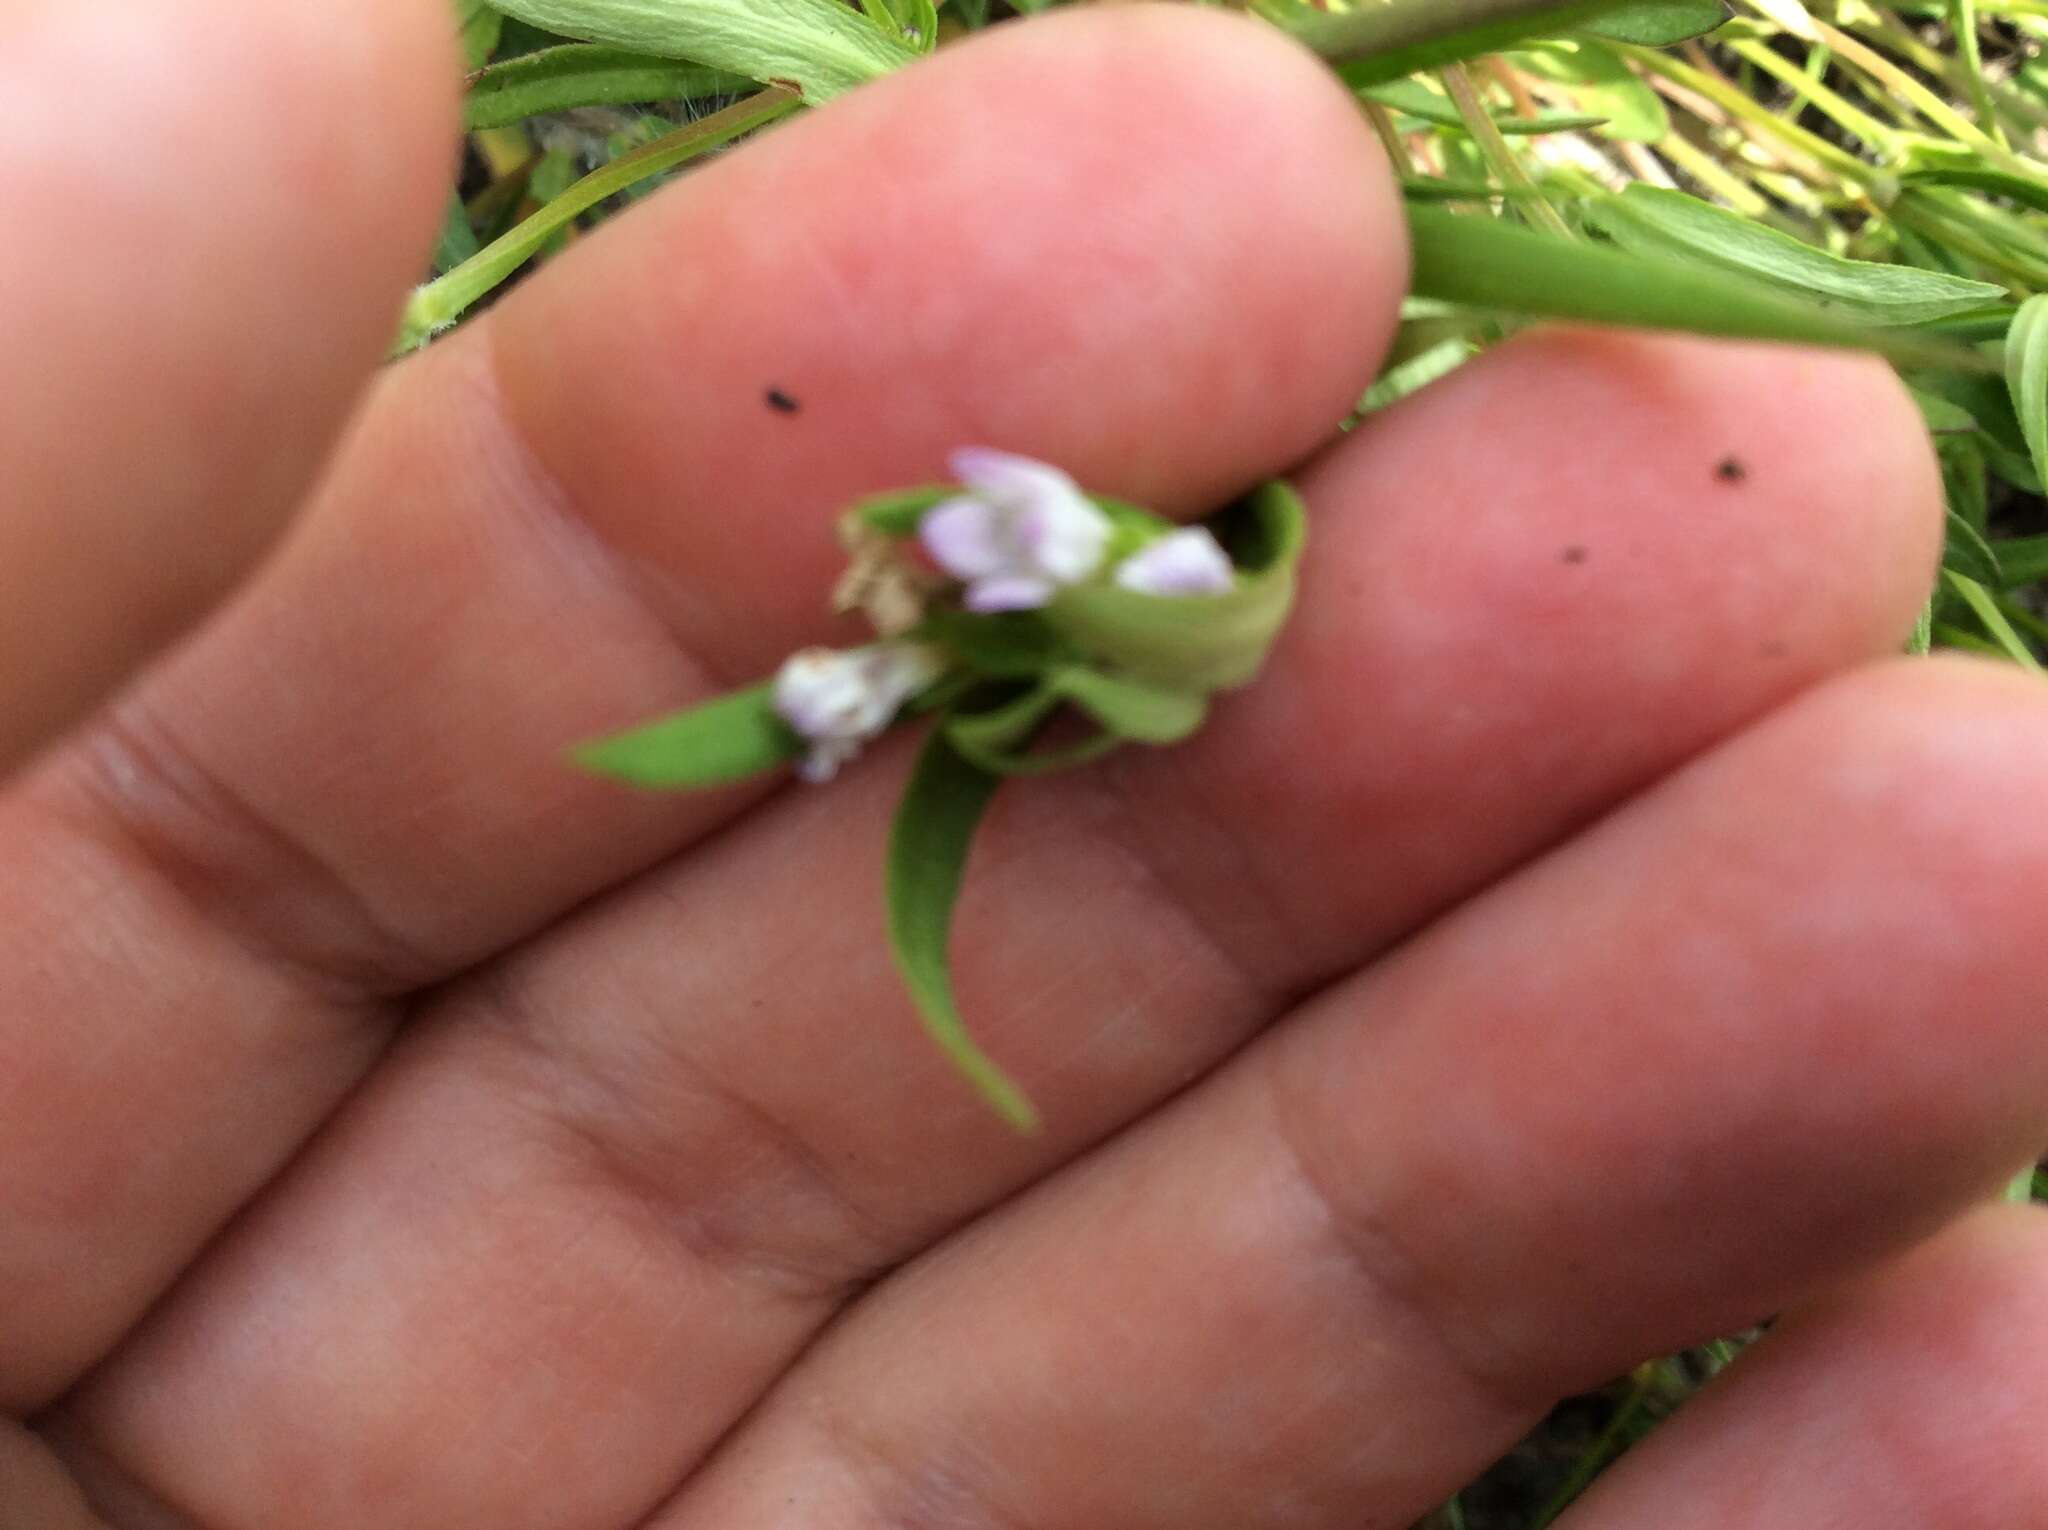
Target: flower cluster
column 1017, row 533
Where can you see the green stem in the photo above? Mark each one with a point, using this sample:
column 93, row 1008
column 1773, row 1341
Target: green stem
column 1601, row 1450
column 1900, row 39
column 1962, row 21
column 1494, row 147
column 1937, row 111
column 441, row 302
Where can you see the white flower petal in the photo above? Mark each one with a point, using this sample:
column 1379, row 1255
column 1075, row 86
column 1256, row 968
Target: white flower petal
column 1185, row 562
column 1063, row 537
column 965, row 537
column 1008, row 592
column 1006, row 479
column 837, row 700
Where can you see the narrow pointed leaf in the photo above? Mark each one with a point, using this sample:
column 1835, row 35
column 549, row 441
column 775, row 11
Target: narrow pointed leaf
column 1967, row 552
column 928, row 847
column 730, row 739
column 2026, row 377
column 1402, row 37
column 897, row 512
column 1485, row 263
column 1202, row 642
column 1600, row 82
column 1979, row 600
column 819, row 48
column 1659, row 23
column 586, row 74
column 1131, row 709
column 1649, row 220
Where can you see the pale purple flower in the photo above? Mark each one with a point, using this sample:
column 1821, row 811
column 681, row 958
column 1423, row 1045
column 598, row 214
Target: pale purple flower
column 839, row 699
column 1020, row 532
column 1185, row 562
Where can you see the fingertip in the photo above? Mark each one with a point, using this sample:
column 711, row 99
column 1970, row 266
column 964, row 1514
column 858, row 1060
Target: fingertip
column 1155, row 247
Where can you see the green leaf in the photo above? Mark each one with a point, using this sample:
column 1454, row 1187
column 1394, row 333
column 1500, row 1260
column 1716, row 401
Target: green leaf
column 1967, row 552
column 1649, row 220
column 1127, row 711
column 1131, row 709
column 2026, row 377
column 458, row 240
column 928, row 846
column 1405, row 38
column 1414, row 99
column 481, row 26
column 818, row 48
column 1979, row 600
column 1659, row 23
column 585, row 74
column 1486, row 263
column 2024, row 559
column 737, row 736
column 1600, row 82
column 896, row 513
column 1980, row 403
column 1203, row 642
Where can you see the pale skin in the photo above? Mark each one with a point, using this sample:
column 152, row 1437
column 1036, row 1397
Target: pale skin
column 1586, row 939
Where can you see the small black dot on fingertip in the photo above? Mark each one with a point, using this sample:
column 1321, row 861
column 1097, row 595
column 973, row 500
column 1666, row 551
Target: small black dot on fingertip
column 781, row 402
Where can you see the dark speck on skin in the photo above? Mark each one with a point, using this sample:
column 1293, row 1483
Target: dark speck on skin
column 1730, row 470
column 1774, row 649
column 1574, row 554
column 781, row 402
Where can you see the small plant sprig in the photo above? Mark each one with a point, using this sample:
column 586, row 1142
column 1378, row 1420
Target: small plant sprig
column 1037, row 628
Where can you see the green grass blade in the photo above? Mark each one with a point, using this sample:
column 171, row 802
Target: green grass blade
column 1659, row 23
column 818, row 48
column 2026, row 377
column 1979, row 600
column 1484, row 263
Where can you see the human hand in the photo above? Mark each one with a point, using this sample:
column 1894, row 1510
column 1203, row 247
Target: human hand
column 1582, row 941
